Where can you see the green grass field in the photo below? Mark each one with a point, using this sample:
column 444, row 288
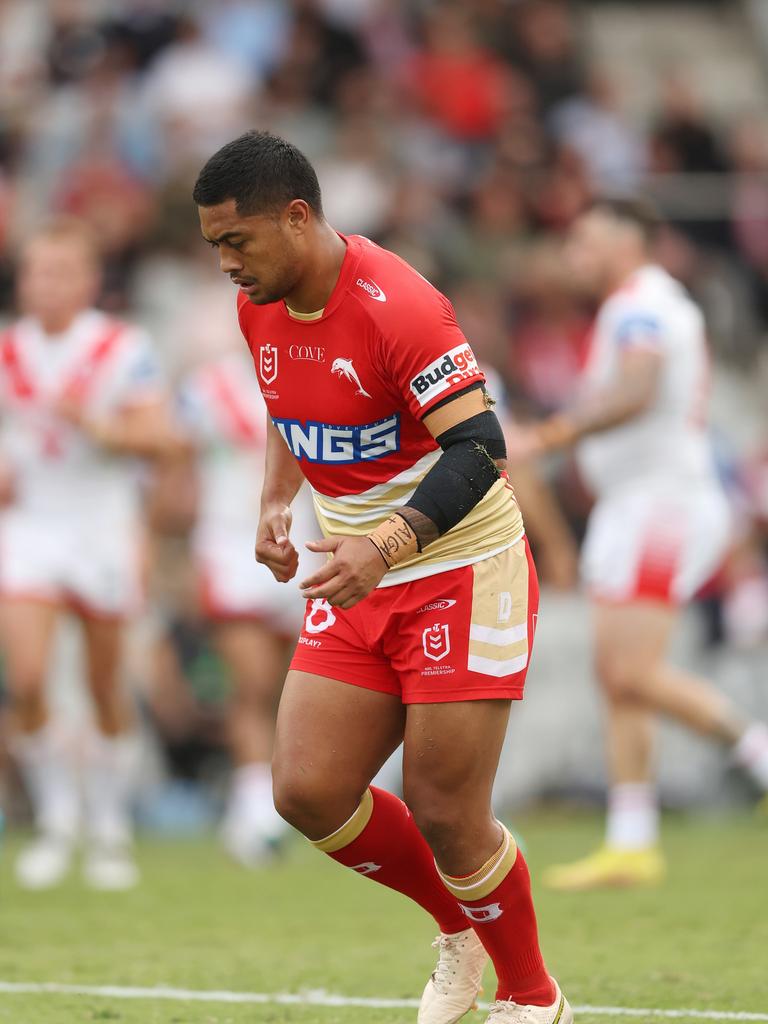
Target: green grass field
column 197, row 922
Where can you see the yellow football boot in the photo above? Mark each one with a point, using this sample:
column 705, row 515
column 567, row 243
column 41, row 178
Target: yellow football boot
column 607, row 868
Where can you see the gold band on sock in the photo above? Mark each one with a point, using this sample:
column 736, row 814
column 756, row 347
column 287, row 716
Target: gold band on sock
column 487, row 878
column 351, row 828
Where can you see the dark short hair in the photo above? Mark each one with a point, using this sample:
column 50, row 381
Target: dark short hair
column 637, row 210
column 261, row 172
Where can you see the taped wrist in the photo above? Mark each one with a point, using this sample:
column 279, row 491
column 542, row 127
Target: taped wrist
column 395, row 540
column 464, row 473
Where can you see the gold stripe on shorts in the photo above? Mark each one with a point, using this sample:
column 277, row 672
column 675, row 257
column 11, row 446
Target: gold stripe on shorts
column 498, row 634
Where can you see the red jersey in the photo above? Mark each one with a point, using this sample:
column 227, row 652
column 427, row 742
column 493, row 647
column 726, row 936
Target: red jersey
column 347, row 388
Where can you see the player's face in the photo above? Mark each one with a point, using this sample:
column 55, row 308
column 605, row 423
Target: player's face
column 260, row 253
column 590, row 250
column 57, row 279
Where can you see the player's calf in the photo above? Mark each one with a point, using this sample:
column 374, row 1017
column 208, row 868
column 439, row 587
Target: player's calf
column 28, row 701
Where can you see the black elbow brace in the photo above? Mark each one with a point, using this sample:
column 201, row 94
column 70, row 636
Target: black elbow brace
column 464, row 473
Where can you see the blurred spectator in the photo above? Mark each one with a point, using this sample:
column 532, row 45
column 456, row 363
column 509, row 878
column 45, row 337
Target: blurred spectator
column 23, row 29
column 541, row 40
column 199, row 96
column 357, row 187
column 596, row 127
column 749, row 155
column 253, row 33
column 454, row 80
column 683, row 140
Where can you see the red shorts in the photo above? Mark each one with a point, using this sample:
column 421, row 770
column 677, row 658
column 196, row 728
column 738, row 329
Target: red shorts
column 465, row 634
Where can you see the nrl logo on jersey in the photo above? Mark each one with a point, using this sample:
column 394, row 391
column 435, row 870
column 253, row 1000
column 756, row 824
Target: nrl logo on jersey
column 268, row 363
column 452, row 368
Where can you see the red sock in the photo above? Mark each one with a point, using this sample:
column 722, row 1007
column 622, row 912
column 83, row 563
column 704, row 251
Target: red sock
column 502, row 914
column 381, row 841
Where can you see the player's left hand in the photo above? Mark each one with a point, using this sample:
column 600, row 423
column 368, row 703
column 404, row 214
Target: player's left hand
column 524, row 443
column 355, row 569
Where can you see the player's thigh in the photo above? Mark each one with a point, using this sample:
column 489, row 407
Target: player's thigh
column 331, row 739
column 27, row 633
column 255, row 655
column 631, row 640
column 450, row 757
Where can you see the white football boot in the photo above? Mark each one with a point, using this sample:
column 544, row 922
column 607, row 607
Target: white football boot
column 456, row 981
column 45, row 862
column 508, row 1012
column 110, row 867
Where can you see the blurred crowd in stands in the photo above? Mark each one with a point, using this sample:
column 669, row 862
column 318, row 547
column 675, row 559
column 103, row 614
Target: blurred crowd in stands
column 466, row 136
column 463, row 135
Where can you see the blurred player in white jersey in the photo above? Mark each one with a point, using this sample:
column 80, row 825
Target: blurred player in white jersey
column 255, row 619
column 659, row 530
column 79, row 400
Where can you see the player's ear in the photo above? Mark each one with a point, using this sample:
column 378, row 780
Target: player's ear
column 297, row 215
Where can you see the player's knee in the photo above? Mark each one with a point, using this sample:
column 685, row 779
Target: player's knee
column 308, row 804
column 27, row 685
column 620, row 678
column 439, row 816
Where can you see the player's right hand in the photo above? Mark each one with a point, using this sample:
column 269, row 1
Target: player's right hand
column 273, row 545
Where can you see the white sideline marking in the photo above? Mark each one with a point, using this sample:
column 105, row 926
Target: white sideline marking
column 318, row 997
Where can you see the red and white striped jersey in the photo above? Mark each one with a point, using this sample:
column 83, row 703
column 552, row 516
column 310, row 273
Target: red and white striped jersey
column 668, row 440
column 348, row 387
column 223, row 412
column 104, row 365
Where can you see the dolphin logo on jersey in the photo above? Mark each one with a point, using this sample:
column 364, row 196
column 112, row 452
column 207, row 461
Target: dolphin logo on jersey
column 344, row 368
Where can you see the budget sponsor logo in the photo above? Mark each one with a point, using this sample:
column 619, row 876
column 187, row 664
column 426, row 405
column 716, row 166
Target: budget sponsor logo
column 330, row 443
column 452, row 368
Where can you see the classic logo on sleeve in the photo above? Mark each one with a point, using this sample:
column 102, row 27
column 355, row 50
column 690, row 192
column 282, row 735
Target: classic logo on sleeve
column 452, row 368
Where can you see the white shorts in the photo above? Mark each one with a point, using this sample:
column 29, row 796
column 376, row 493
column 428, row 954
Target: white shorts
column 655, row 542
column 234, row 586
column 97, row 572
